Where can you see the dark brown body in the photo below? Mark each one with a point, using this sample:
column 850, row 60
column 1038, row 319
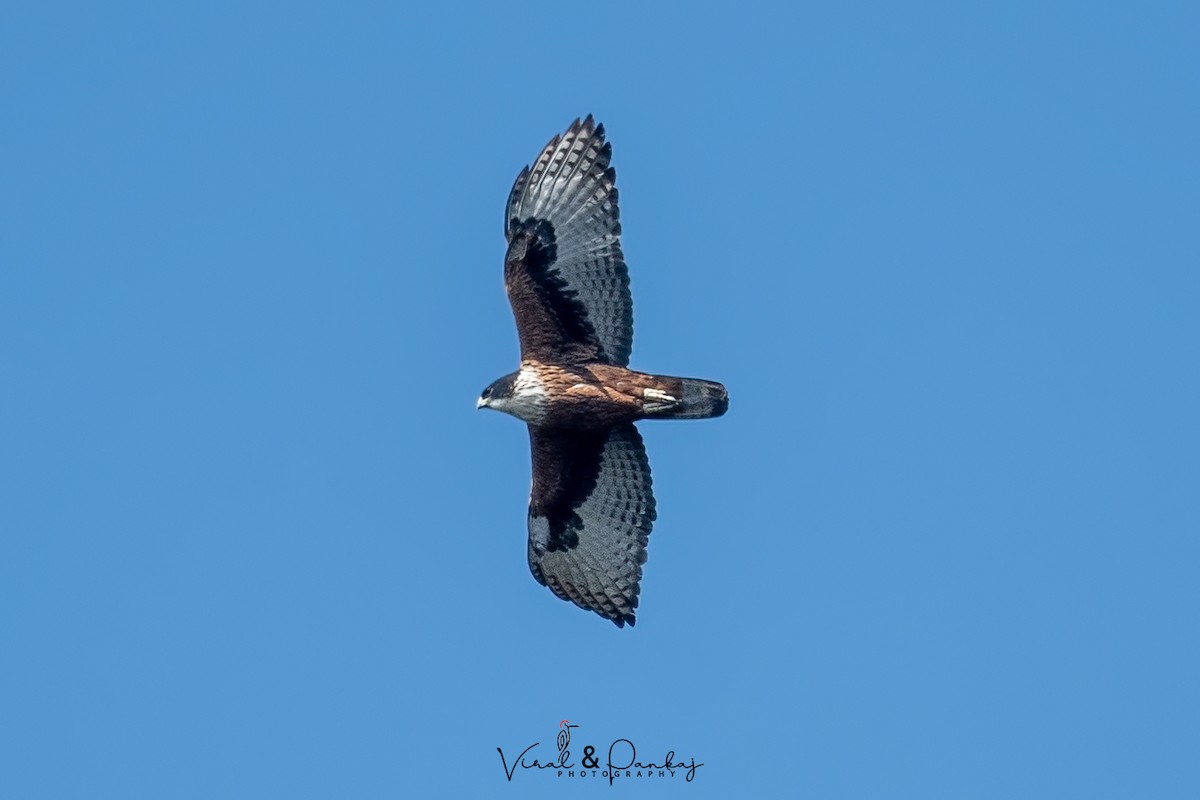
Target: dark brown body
column 599, row 396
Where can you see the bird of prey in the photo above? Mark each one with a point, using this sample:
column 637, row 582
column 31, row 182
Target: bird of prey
column 590, row 507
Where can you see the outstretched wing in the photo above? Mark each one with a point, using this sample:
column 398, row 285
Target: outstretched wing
column 564, row 270
column 590, row 514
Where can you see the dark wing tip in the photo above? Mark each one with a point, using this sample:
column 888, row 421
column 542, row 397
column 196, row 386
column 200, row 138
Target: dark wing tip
column 595, row 129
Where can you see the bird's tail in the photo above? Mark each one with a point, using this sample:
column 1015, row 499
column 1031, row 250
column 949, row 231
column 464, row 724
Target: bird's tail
column 685, row 398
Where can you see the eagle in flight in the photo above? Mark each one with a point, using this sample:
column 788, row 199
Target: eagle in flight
column 590, row 507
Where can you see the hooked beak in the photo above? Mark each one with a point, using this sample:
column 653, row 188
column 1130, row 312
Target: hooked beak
column 480, row 403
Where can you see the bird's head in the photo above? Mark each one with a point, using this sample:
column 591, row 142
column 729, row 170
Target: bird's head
column 520, row 394
column 498, row 393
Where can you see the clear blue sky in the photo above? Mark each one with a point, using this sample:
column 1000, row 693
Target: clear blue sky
column 256, row 541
